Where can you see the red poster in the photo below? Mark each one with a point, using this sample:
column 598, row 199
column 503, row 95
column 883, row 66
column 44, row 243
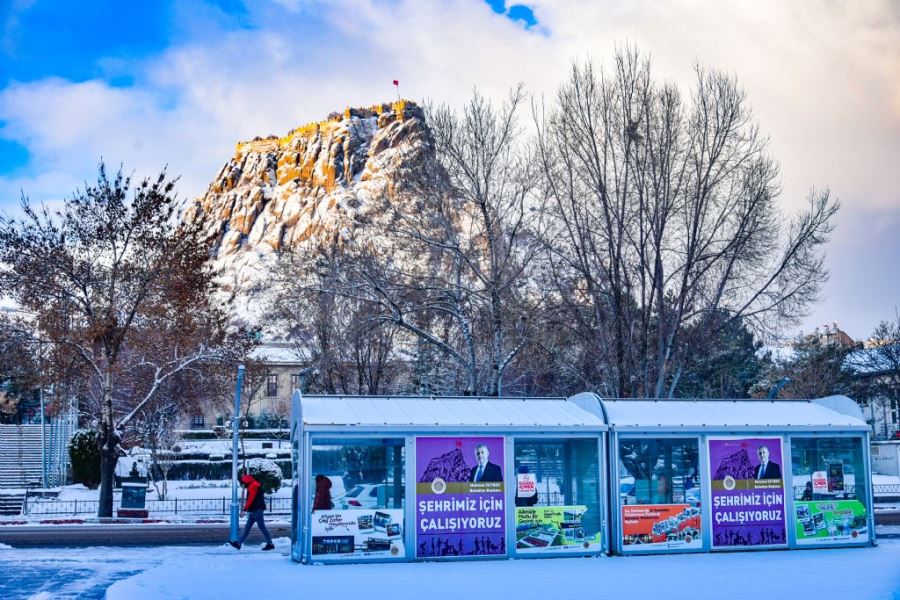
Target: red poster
column 660, row 526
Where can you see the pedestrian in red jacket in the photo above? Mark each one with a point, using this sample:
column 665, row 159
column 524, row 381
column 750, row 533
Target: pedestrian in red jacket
column 255, row 507
column 322, row 499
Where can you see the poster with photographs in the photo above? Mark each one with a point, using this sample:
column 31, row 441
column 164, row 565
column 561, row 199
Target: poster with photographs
column 554, row 529
column 830, row 521
column 661, row 527
column 376, row 533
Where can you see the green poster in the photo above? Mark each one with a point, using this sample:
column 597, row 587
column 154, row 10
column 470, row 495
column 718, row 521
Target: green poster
column 549, row 528
column 824, row 521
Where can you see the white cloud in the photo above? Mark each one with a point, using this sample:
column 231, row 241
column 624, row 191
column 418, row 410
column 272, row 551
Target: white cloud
column 822, row 77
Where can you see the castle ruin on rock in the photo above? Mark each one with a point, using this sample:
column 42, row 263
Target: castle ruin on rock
column 318, row 183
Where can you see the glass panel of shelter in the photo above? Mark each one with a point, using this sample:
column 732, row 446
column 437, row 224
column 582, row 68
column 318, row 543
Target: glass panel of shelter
column 362, row 474
column 557, row 495
column 829, row 486
column 660, row 492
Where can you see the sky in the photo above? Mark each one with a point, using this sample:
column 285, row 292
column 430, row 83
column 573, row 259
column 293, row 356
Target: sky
column 176, row 84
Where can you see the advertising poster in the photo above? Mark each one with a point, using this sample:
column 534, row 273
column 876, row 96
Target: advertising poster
column 747, row 492
column 460, row 497
column 660, row 527
column 375, row 533
column 835, row 478
column 553, row 528
column 829, row 521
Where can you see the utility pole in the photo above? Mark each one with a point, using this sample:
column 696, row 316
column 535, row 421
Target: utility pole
column 235, row 424
column 43, row 415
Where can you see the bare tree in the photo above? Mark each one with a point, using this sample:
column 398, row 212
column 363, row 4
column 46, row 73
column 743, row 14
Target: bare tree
column 116, row 283
column 157, row 428
column 660, row 209
column 878, row 365
column 20, row 364
column 336, row 335
column 450, row 266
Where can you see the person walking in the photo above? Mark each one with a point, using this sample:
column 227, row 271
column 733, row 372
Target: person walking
column 322, row 499
column 255, row 506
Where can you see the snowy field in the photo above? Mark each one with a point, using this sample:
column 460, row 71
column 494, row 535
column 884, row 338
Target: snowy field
column 198, row 572
column 201, row 488
column 209, row 494
column 861, row 573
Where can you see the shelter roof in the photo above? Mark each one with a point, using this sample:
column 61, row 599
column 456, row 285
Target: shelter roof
column 427, row 412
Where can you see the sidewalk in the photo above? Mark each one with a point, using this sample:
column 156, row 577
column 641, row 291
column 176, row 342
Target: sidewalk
column 127, row 532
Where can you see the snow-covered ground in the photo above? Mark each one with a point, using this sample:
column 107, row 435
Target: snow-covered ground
column 177, row 489
column 213, row 494
column 198, row 572
column 864, row 573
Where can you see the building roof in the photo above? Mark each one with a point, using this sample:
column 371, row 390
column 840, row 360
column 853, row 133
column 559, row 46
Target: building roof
column 787, row 415
column 447, row 413
column 275, row 353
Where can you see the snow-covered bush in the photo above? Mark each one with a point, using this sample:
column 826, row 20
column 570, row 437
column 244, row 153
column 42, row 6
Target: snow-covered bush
column 85, row 456
column 192, row 470
column 266, row 472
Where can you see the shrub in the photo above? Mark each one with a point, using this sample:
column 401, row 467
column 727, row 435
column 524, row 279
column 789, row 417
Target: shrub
column 266, row 472
column 85, row 456
column 192, row 470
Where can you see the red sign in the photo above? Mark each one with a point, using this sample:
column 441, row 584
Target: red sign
column 672, row 524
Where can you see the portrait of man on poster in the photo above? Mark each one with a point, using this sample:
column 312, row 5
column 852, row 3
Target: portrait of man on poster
column 484, row 470
column 766, row 468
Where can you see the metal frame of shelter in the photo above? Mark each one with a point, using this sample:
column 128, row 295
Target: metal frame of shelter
column 847, row 422
column 306, row 430
column 588, row 417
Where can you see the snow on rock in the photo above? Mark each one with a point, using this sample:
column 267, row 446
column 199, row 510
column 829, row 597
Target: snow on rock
column 321, row 182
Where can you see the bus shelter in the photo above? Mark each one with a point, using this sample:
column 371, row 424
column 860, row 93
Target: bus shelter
column 718, row 475
column 449, row 478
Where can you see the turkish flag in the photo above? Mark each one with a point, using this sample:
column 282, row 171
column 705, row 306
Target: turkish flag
column 396, row 82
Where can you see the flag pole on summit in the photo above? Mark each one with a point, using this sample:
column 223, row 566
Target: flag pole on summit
column 397, row 85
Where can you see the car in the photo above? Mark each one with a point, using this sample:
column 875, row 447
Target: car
column 363, row 495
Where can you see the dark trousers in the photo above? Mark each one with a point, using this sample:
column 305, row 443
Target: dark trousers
column 256, row 516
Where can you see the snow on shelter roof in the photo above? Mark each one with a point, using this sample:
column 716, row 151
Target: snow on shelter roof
column 426, row 412
column 784, row 415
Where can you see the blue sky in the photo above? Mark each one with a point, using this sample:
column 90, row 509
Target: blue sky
column 176, row 84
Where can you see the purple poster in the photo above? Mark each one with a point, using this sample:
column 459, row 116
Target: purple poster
column 747, row 492
column 459, row 497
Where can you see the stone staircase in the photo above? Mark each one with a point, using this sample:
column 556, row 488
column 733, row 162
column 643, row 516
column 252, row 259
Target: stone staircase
column 20, row 456
column 11, row 504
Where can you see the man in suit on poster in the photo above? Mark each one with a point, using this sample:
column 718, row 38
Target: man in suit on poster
column 766, row 469
column 484, row 471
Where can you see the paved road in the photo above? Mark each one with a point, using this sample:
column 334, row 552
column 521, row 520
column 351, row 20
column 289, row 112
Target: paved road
column 887, row 517
column 150, row 534
column 85, row 573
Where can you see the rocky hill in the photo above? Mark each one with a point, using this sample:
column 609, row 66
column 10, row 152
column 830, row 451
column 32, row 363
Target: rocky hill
column 322, row 181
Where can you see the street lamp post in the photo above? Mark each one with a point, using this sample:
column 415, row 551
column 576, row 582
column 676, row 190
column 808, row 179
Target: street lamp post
column 235, row 424
column 43, row 440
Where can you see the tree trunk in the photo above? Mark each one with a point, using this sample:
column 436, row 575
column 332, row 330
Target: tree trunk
column 109, row 441
column 108, row 457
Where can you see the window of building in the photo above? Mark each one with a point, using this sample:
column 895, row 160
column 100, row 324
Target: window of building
column 829, row 486
column 198, row 422
column 357, row 498
column 295, row 381
column 659, row 487
column 272, row 384
column 557, row 498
